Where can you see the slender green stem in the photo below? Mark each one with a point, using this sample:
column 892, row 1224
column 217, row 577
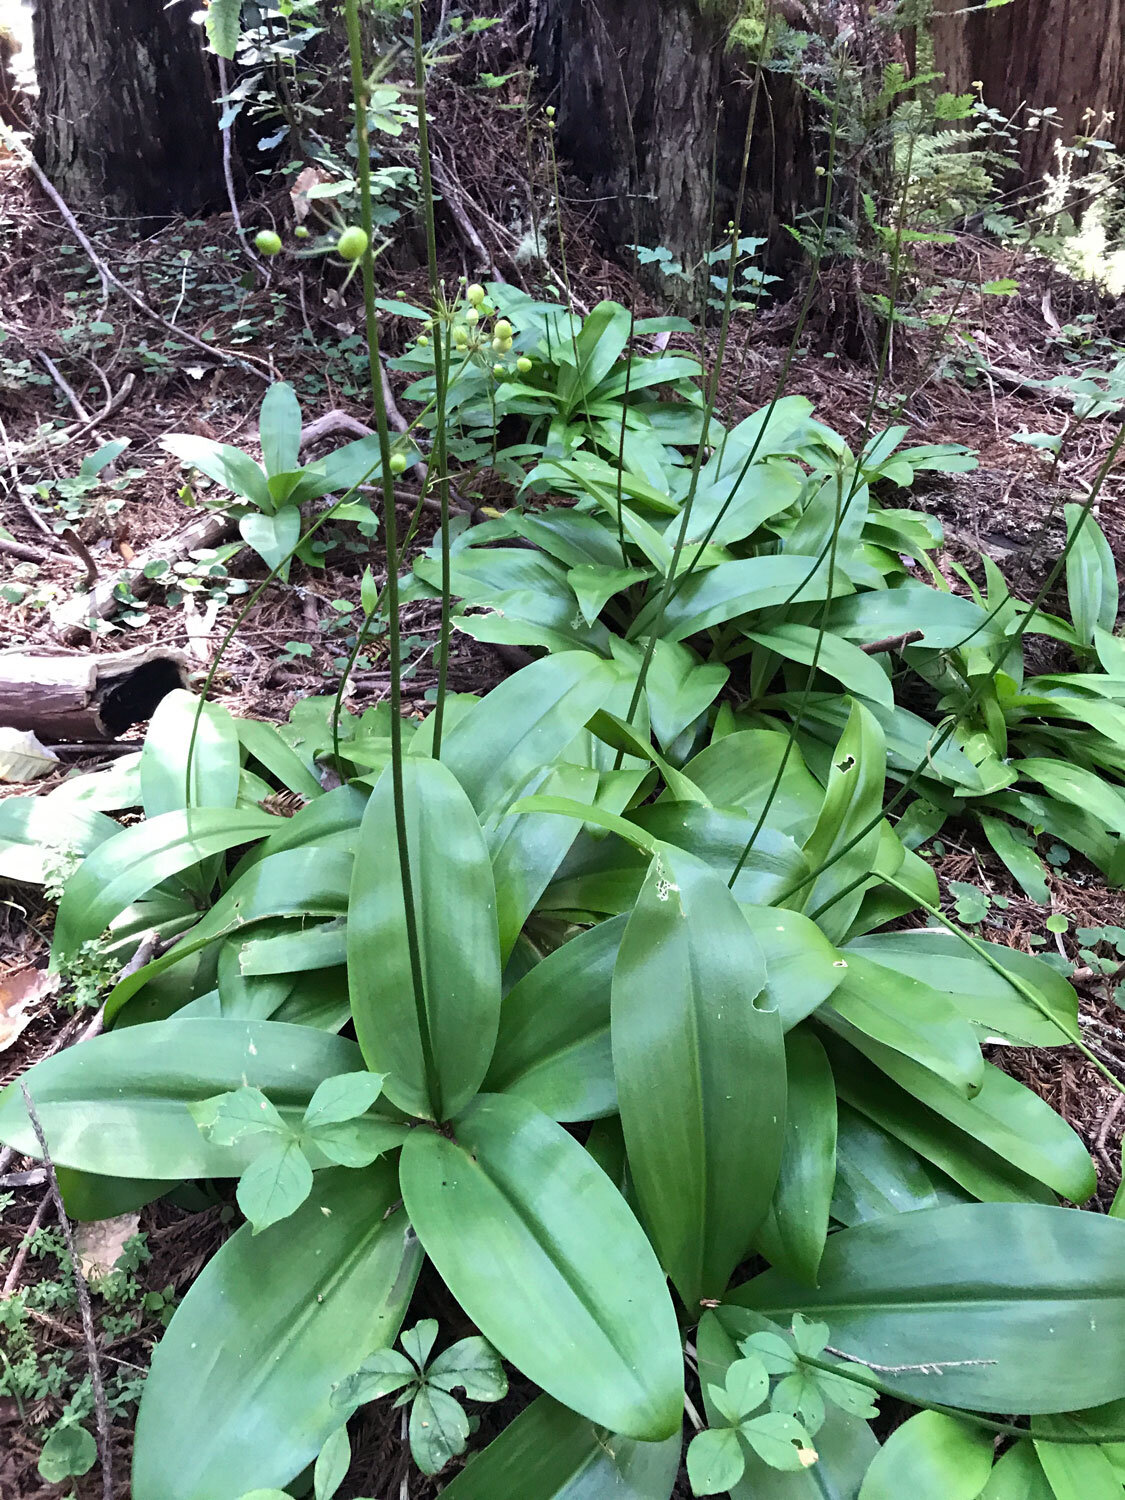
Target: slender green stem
column 363, row 174
column 1029, row 994
column 791, row 738
column 442, row 354
column 873, row 1382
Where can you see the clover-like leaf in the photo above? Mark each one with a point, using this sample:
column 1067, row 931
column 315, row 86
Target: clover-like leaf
column 275, row 1184
column 774, row 1352
column 810, row 1337
column 332, row 1464
column 747, row 1386
column 800, row 1396
column 779, row 1441
column 356, row 1143
column 419, row 1340
column 439, row 1429
column 70, row 1450
column 226, row 1118
column 849, row 1395
column 474, row 1365
column 715, row 1461
column 380, row 1374
column 344, row 1097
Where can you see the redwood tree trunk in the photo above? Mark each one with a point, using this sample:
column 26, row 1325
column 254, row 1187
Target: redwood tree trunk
column 652, row 115
column 637, row 86
column 1066, row 54
column 127, row 119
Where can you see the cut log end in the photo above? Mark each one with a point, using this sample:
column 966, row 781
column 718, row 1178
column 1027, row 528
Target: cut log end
column 84, row 697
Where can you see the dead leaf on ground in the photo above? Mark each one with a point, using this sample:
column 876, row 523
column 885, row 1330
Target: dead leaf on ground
column 22, row 757
column 99, row 1243
column 23, row 993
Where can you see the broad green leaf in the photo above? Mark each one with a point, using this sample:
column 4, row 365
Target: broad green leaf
column 1074, row 1471
column 802, row 967
column 594, row 585
column 700, row 1072
column 959, row 1153
column 455, row 911
column 852, row 799
column 223, row 21
column 1004, row 1116
column 1039, row 1291
column 852, row 668
column 984, row 997
column 279, row 427
column 120, row 1105
column 1091, row 575
column 1075, row 784
column 265, row 744
column 845, row 1444
column 164, row 758
column 39, row 835
column 542, row 1253
column 909, row 1017
column 299, row 1306
column 550, row 1453
column 793, row 1233
column 1018, row 1475
column 553, row 1047
column 439, row 1429
column 944, row 619
column 273, row 537
column 1021, row 861
column 275, row 1184
column 234, row 470
column 679, row 686
column 715, row 1462
column 740, row 769
column 933, row 1457
column 711, row 596
column 139, row 858
column 877, row 1175
column 604, row 334
column 525, row 724
column 526, row 848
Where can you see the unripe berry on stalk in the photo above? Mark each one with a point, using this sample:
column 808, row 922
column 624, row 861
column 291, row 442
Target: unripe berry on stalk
column 523, row 364
column 472, row 316
column 499, row 369
column 423, row 340
column 398, row 463
column 301, row 232
column 475, row 294
column 266, row 242
column 502, row 329
column 352, row 243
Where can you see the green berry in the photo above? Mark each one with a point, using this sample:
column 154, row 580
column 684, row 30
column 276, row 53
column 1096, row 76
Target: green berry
column 475, row 294
column 423, row 340
column 267, row 242
column 352, row 243
column 550, row 111
column 460, row 337
column 523, row 364
column 502, row 329
column 472, row 316
column 301, row 232
column 499, row 369
column 398, row 463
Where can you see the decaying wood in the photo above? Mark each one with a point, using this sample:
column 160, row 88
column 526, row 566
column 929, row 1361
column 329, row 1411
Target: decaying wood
column 73, row 618
column 85, row 697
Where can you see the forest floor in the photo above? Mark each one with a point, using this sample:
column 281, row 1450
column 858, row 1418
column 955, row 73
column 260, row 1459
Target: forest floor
column 301, row 328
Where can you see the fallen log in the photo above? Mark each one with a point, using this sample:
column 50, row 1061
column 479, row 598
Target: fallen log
column 73, row 618
column 85, row 697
